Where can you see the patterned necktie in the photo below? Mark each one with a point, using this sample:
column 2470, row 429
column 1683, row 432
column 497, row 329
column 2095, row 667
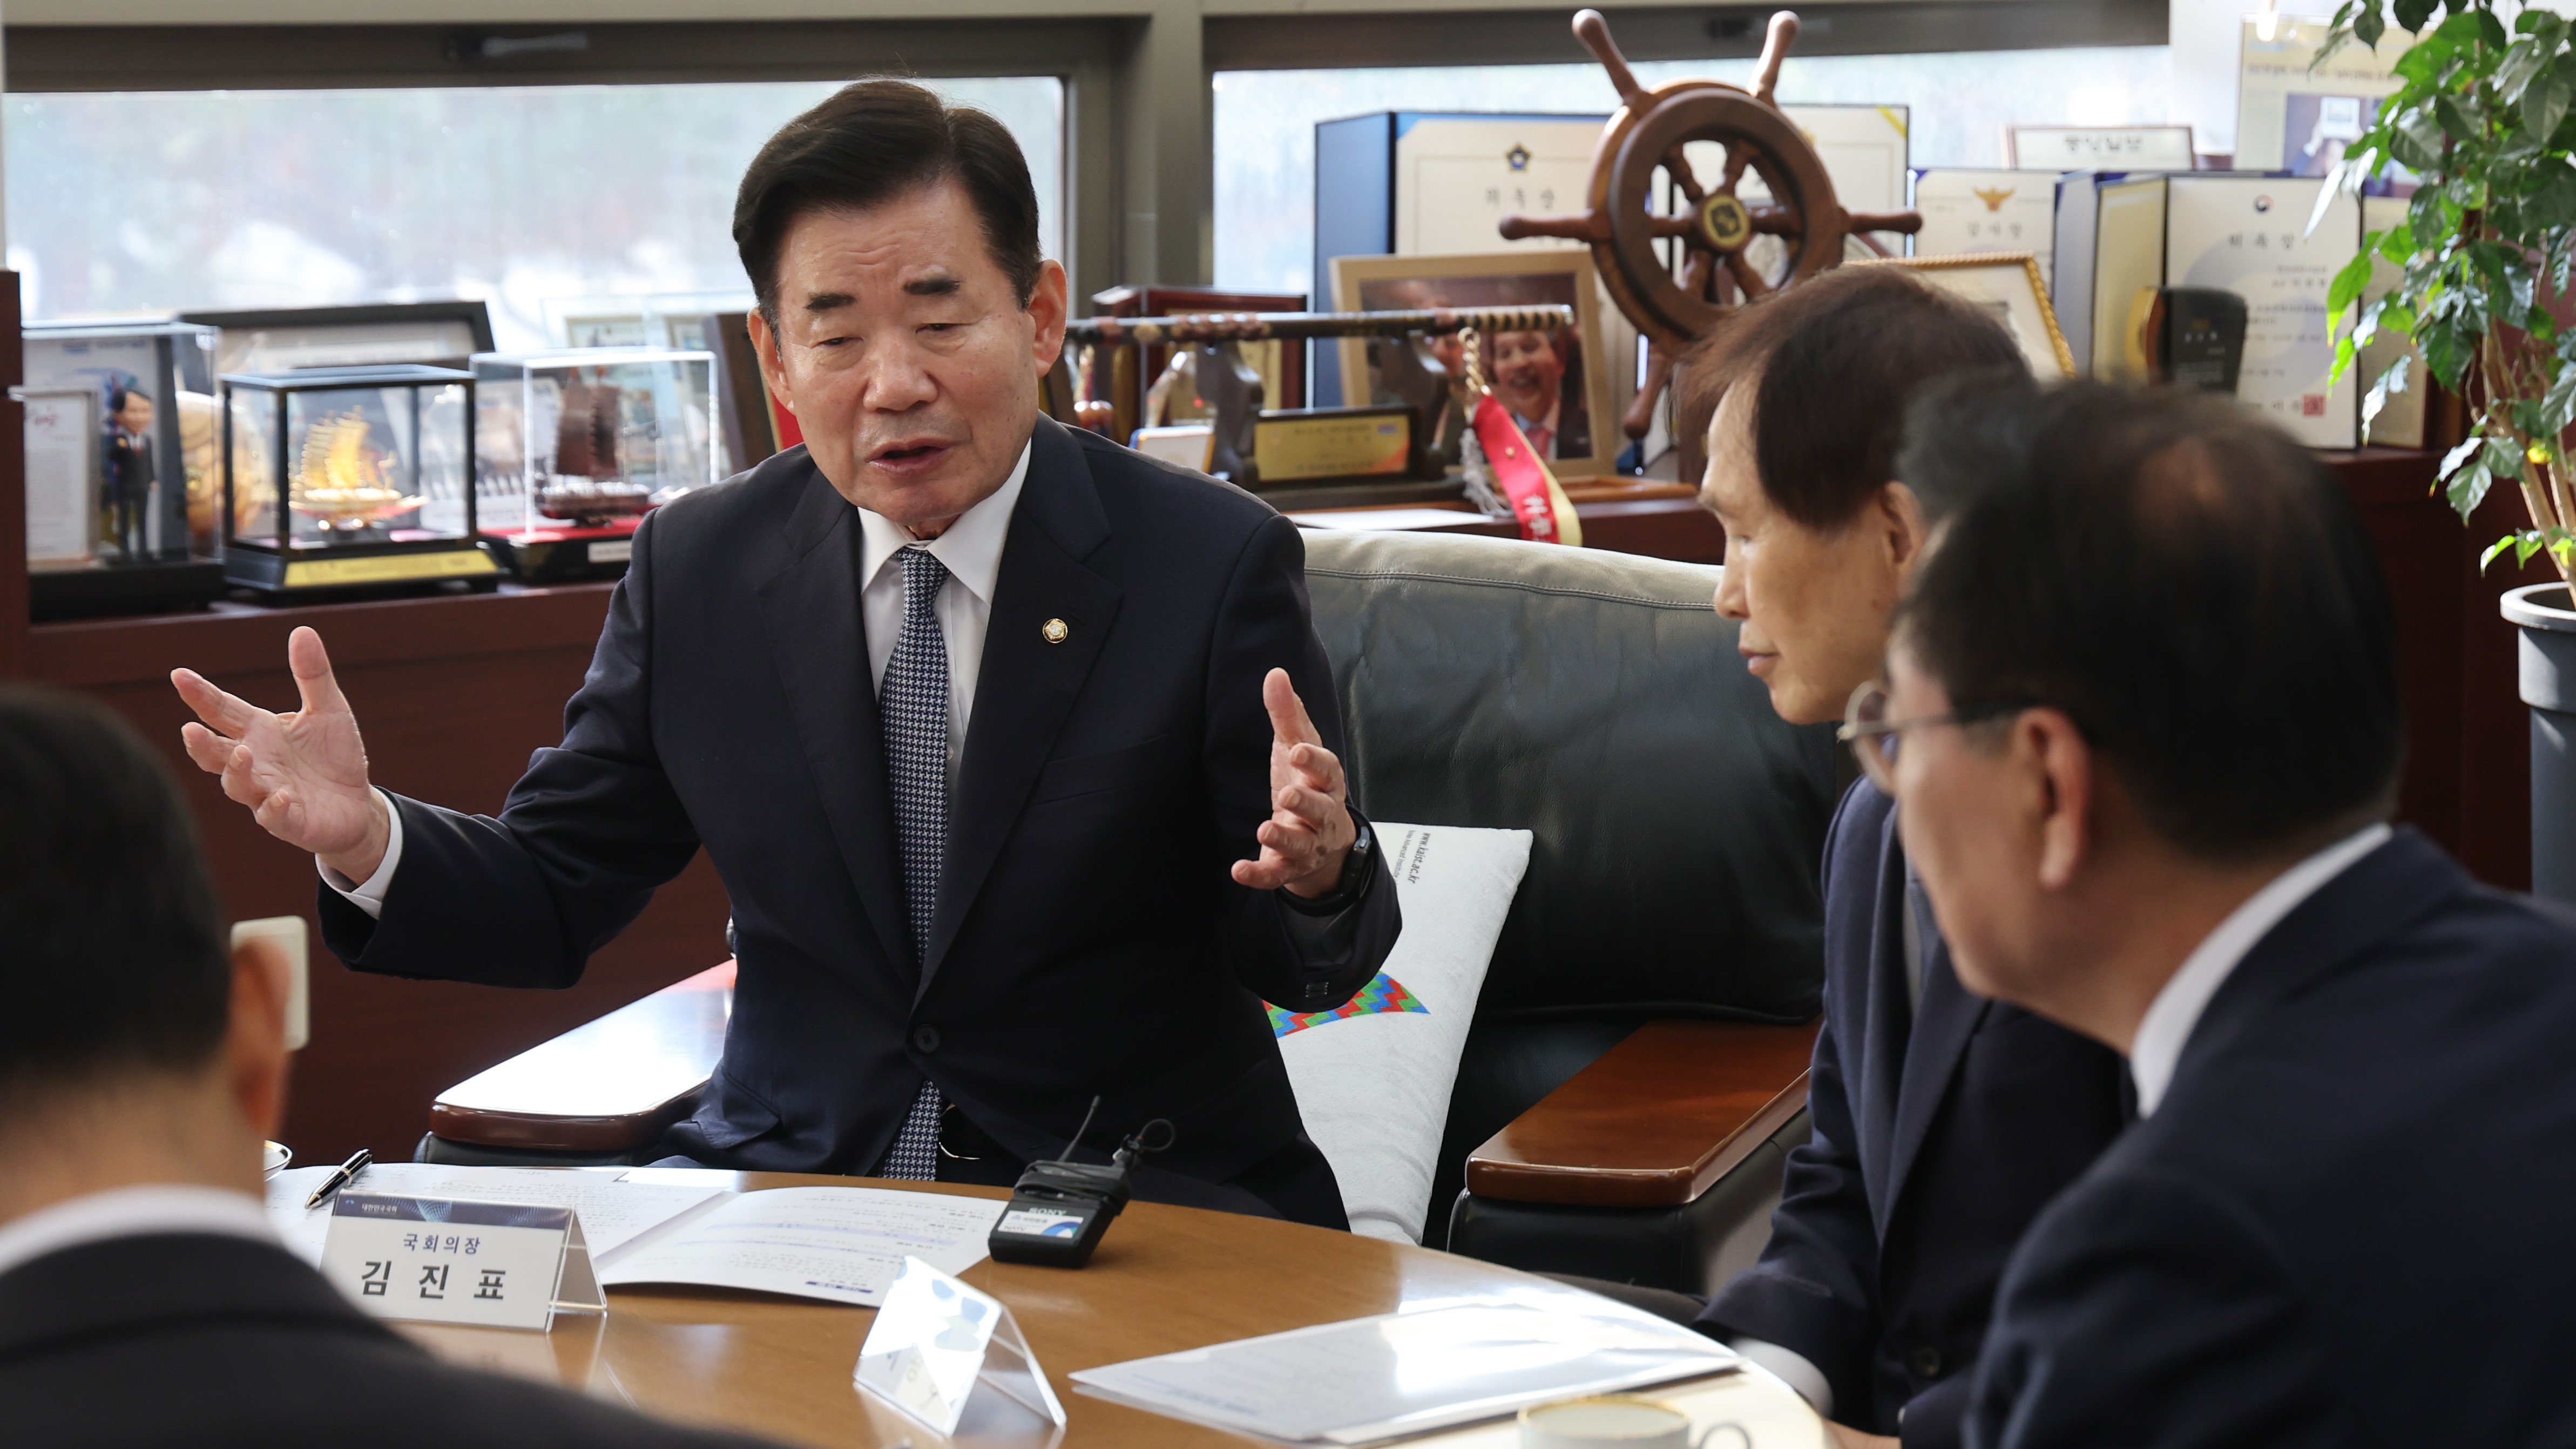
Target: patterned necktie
column 913, row 706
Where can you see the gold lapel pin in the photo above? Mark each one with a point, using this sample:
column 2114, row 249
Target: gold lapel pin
column 1054, row 631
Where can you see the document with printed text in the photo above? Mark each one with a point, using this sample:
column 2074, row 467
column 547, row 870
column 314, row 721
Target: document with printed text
column 839, row 1244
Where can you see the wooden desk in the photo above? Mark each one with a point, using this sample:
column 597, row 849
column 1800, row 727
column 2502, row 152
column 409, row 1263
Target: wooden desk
column 1167, row 1278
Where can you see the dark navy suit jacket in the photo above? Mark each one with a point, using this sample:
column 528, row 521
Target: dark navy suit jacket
column 2348, row 1221
column 1938, row 1135
column 218, row 1342
column 1088, row 937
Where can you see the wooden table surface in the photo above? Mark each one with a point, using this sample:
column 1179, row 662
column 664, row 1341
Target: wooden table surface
column 1165, row 1278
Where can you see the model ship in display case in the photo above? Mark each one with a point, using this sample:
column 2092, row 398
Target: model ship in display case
column 341, row 478
column 574, row 448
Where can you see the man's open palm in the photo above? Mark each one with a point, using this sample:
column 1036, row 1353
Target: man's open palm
column 303, row 775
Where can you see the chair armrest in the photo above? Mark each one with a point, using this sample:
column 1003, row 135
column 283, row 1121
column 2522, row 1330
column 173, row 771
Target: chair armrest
column 604, row 1086
column 1655, row 1121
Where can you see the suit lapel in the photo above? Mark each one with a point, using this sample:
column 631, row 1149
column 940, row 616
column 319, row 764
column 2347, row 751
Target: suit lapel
column 1945, row 1021
column 1027, row 682
column 820, row 645
column 1889, row 1018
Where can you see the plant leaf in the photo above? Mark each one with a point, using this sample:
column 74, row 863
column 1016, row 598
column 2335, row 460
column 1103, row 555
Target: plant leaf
column 2397, row 244
column 2525, row 544
column 2426, row 220
column 2459, row 455
column 2544, row 105
column 2558, row 405
column 2527, row 59
column 2391, row 381
column 2347, row 285
column 2453, row 114
column 2468, row 489
column 2493, row 549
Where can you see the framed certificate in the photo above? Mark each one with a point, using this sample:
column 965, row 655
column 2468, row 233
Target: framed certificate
column 2098, row 148
column 63, row 458
column 1967, row 212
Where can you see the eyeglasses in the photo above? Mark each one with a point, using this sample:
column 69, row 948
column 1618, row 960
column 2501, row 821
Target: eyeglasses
column 1872, row 735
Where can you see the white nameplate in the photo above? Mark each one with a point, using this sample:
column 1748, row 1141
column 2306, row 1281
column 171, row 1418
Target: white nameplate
column 935, row 1339
column 491, row 1265
column 611, row 550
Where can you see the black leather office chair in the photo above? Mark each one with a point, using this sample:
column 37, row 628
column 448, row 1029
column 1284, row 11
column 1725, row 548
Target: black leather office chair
column 1597, row 700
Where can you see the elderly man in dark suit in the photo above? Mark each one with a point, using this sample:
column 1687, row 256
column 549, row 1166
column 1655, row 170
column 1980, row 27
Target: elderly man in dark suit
column 2147, row 693
column 144, row 1300
column 995, row 731
column 1942, row 1122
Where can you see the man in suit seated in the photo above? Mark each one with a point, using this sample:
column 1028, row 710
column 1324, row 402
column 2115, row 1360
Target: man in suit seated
column 995, row 730
column 2147, row 694
column 1941, row 1122
column 143, row 1299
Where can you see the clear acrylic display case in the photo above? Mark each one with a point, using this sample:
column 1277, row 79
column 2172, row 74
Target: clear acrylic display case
column 121, row 472
column 350, row 477
column 573, row 448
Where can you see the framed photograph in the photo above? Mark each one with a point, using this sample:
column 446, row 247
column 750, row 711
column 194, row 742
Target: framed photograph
column 2008, row 285
column 1558, row 387
column 2098, row 148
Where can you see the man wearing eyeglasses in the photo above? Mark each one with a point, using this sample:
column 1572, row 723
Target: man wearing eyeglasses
column 1941, row 1122
column 2143, row 725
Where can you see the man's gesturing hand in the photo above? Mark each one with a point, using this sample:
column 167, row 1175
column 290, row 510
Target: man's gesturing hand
column 303, row 775
column 1309, row 832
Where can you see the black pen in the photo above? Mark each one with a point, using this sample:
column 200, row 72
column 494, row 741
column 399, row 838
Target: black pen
column 346, row 1173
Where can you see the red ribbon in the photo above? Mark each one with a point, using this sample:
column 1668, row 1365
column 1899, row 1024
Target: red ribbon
column 1518, row 473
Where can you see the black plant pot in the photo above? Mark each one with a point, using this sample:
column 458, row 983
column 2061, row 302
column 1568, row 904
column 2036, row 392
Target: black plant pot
column 2548, row 653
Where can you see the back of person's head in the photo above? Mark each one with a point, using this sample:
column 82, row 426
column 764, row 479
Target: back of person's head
column 872, row 142
column 1832, row 363
column 2189, row 586
column 112, row 954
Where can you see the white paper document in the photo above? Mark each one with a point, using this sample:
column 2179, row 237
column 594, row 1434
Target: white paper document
column 613, row 1213
column 1369, row 1379
column 839, row 1244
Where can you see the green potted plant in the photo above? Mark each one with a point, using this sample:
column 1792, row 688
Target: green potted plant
column 2485, row 119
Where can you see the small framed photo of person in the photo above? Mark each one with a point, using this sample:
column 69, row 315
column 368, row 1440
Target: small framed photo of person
column 1559, row 386
column 2008, row 285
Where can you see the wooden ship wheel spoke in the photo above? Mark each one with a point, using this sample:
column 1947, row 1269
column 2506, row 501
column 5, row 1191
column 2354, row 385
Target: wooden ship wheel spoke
column 1678, row 274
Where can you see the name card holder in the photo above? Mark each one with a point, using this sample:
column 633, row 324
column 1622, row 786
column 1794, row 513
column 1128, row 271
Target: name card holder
column 935, row 1339
column 480, row 1264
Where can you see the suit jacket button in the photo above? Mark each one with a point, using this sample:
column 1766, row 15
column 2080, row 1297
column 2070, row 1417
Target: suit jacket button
column 925, row 1039
column 1926, row 1362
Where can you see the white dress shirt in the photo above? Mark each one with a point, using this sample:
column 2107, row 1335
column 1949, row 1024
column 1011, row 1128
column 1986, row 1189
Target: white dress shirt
column 972, row 551
column 2167, row 1026
column 132, row 1212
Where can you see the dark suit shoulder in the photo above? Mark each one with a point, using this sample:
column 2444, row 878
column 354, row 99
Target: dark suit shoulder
column 241, row 1344
column 747, row 512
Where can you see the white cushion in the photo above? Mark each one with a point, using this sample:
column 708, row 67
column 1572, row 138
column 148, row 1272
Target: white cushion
column 1373, row 1077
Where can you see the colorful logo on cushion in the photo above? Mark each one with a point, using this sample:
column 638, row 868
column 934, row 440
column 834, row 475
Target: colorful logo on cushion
column 1383, row 994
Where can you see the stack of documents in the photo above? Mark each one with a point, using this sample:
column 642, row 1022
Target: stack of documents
column 1371, row 1379
column 838, row 1244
